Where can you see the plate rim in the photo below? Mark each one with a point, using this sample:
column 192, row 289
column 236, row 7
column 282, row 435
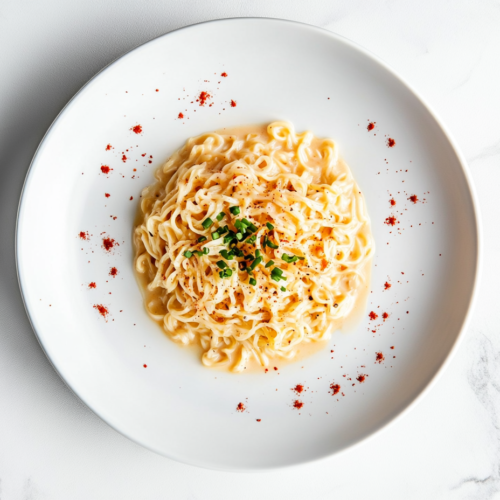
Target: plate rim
column 477, row 265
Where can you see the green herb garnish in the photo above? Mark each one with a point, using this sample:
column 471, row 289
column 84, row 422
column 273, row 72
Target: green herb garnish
column 207, row 223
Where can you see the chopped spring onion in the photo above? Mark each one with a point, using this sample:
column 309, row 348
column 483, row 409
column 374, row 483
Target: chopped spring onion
column 255, row 263
column 270, row 244
column 249, row 225
column 207, row 223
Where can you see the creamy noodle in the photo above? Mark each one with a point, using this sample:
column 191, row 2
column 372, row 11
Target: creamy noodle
column 298, row 205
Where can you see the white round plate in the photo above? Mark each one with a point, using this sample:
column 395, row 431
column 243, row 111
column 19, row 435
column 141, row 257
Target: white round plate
column 276, row 70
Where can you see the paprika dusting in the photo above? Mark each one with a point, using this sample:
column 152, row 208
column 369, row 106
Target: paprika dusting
column 298, row 388
column 84, row 235
column 385, row 316
column 108, row 244
column 413, row 198
column 373, row 315
column 240, row 407
column 224, row 74
column 391, row 221
column 335, row 388
column 92, row 285
column 181, row 116
column 361, row 378
column 233, row 104
column 105, row 169
column 108, row 147
column 124, row 158
column 137, row 129
column 379, row 357
column 203, row 98
column 387, row 285
column 103, row 311
column 113, row 272
column 392, row 201
column 371, row 126
column 107, row 195
column 298, row 404
column 391, row 143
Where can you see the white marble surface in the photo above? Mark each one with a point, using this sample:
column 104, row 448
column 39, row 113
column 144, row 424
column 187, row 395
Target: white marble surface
column 53, row 447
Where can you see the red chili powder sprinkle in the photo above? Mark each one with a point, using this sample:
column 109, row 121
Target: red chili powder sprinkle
column 392, row 347
column 413, row 198
column 371, row 126
column 103, row 311
column 392, row 201
column 124, row 158
column 233, row 104
column 275, row 367
column 391, row 143
column 258, row 420
column 107, row 195
column 113, row 272
column 145, row 366
column 84, row 235
column 137, row 129
column 391, row 221
column 180, row 116
column 240, row 407
column 379, row 357
column 335, row 389
column 224, row 74
column 157, row 90
column 203, row 98
column 108, row 147
column 92, row 285
column 298, row 388
column 298, row 404
column 105, row 169
column 131, row 198
column 373, row 315
column 108, row 243
column 361, row 378
column 385, row 316
column 387, row 285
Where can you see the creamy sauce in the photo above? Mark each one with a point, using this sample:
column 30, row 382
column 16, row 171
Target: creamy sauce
column 305, row 349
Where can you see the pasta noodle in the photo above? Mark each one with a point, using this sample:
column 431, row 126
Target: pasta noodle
column 252, row 244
